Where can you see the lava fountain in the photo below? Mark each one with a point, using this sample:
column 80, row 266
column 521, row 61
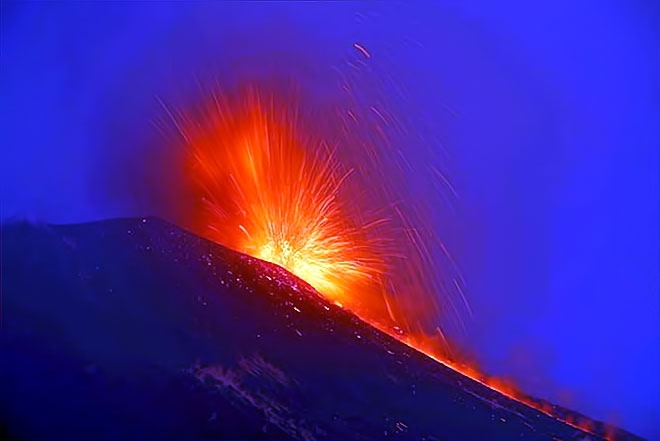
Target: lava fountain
column 265, row 184
column 273, row 192
column 271, row 188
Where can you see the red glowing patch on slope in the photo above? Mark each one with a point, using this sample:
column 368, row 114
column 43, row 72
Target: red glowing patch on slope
column 268, row 196
column 276, row 193
column 270, row 188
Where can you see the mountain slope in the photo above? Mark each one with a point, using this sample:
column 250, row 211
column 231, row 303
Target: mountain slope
column 135, row 329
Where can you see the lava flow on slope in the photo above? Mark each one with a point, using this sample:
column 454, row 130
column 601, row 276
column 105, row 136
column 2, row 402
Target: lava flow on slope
column 268, row 186
column 136, row 329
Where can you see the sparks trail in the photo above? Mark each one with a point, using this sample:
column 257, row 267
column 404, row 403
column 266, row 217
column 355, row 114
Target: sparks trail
column 268, row 187
column 277, row 193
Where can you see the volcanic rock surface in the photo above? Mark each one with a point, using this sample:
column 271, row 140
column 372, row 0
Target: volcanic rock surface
column 135, row 329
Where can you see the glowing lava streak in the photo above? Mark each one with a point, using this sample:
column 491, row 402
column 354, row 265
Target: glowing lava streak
column 271, row 190
column 275, row 193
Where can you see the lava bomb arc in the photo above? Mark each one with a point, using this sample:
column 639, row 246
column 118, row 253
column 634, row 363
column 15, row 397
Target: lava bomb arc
column 274, row 193
column 266, row 184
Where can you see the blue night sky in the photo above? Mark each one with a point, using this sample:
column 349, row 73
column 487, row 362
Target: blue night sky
column 549, row 111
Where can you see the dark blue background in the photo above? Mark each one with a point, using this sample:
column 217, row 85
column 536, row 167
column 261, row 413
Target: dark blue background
column 549, row 111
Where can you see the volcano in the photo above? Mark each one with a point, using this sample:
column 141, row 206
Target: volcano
column 136, row 329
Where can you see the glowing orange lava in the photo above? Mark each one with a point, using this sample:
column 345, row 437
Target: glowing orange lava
column 274, row 191
column 278, row 194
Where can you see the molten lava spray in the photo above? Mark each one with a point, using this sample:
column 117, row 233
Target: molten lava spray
column 271, row 188
column 276, row 193
column 267, row 185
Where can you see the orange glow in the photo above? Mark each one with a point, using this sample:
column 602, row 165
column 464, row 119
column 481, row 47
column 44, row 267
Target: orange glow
column 274, row 193
column 272, row 190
